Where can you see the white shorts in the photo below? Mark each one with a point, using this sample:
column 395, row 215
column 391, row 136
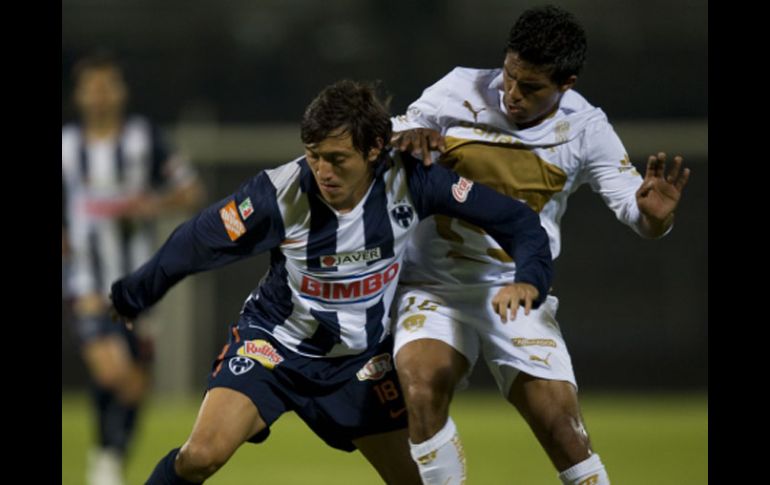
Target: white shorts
column 463, row 318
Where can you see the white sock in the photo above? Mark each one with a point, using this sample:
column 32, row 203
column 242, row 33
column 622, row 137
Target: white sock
column 441, row 458
column 588, row 472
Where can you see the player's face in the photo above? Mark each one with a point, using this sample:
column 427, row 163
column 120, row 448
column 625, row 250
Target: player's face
column 530, row 94
column 342, row 173
column 100, row 93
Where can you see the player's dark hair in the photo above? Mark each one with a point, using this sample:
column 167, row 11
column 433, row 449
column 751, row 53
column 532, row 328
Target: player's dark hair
column 552, row 38
column 352, row 105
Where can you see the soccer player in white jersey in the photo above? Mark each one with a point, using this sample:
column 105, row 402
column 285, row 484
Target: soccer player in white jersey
column 523, row 131
column 117, row 176
column 314, row 337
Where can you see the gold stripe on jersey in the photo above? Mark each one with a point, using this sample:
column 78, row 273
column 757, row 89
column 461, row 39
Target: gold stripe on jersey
column 512, row 170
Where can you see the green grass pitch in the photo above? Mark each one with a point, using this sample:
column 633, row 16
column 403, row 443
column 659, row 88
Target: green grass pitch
column 643, row 439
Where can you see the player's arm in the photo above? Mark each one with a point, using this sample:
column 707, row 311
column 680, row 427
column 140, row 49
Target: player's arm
column 239, row 226
column 514, row 226
column 646, row 205
column 175, row 185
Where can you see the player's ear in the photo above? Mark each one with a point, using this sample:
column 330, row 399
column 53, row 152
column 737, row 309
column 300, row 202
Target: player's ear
column 568, row 84
column 375, row 151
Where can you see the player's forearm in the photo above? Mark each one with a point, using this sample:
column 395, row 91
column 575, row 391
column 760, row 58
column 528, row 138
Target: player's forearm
column 527, row 243
column 652, row 228
column 141, row 289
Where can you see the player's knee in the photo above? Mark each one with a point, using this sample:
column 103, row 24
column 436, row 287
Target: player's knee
column 199, row 460
column 428, row 390
column 566, row 431
column 109, row 377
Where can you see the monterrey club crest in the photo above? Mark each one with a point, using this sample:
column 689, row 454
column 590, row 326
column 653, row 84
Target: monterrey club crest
column 240, row 365
column 403, row 215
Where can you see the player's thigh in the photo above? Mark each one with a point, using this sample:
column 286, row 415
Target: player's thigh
column 532, row 344
column 430, row 339
column 226, row 419
column 389, row 454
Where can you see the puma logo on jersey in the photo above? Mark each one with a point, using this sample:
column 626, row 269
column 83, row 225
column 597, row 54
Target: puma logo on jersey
column 475, row 112
column 535, row 358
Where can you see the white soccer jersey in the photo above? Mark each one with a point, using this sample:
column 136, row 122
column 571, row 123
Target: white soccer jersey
column 541, row 166
column 98, row 178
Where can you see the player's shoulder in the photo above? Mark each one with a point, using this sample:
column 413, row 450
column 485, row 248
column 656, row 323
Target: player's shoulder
column 285, row 176
column 470, row 76
column 576, row 107
column 69, row 131
column 573, row 102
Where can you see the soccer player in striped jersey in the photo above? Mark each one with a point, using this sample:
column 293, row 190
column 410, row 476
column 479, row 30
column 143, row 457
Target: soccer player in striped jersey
column 117, row 176
column 522, row 130
column 314, row 336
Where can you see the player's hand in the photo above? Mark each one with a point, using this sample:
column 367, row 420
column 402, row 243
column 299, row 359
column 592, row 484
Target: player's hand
column 659, row 194
column 419, row 141
column 118, row 318
column 511, row 296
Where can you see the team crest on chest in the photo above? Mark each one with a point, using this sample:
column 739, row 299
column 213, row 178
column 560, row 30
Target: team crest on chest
column 403, row 214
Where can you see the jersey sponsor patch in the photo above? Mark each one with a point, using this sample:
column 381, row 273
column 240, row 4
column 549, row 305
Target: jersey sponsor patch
column 376, row 368
column 461, row 189
column 232, row 221
column 245, row 208
column 262, row 351
column 240, row 365
column 364, row 256
column 359, row 287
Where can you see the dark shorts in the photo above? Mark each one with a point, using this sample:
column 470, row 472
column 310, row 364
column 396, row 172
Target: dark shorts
column 91, row 328
column 341, row 398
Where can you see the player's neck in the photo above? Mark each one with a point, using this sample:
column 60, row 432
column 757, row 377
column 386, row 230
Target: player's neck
column 102, row 128
column 551, row 113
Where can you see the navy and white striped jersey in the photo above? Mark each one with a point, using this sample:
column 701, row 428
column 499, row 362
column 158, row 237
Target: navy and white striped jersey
column 332, row 276
column 98, row 178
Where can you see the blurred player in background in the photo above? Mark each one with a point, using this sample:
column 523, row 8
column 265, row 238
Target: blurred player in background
column 118, row 176
column 522, row 130
column 314, row 336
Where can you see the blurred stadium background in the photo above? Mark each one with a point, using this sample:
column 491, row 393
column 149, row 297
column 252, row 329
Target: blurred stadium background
column 229, row 81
